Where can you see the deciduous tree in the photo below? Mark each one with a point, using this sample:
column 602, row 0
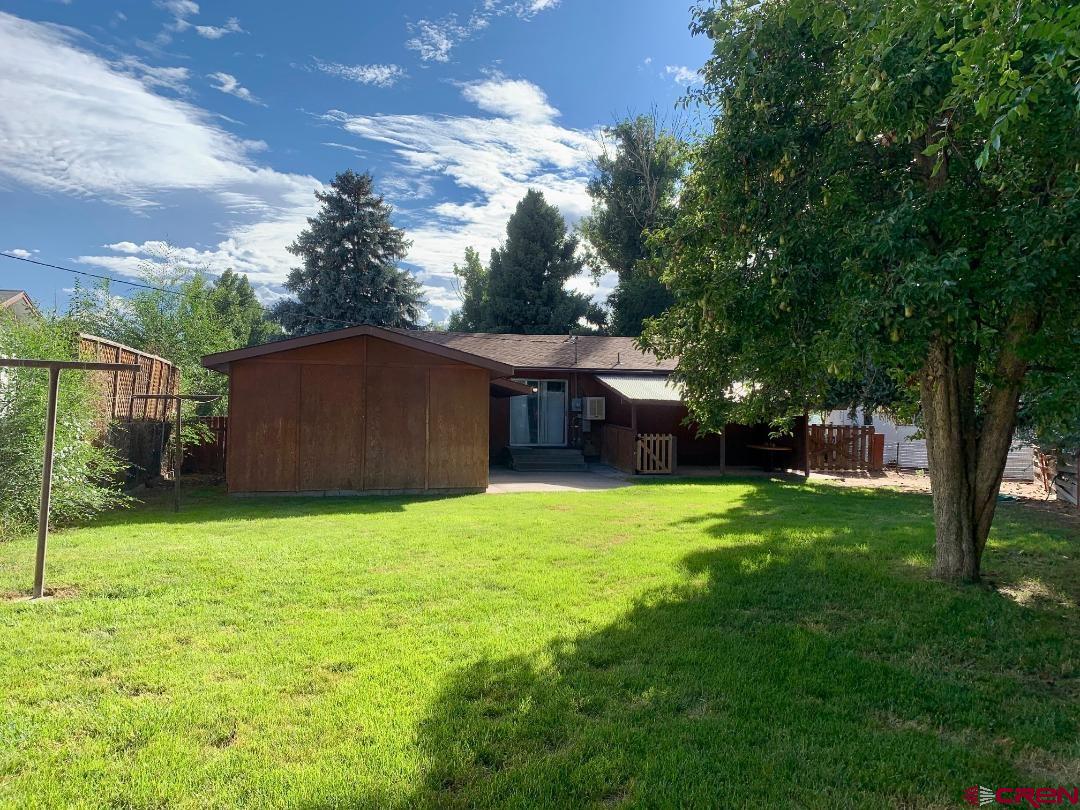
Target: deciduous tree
column 894, row 181
column 637, row 175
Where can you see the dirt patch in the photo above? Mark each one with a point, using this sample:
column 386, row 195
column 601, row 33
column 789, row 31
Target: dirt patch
column 1027, row 493
column 59, row 592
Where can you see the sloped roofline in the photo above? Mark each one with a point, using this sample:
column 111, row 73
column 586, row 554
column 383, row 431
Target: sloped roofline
column 222, row 360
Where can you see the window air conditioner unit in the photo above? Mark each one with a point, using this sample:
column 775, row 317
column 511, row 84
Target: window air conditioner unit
column 595, row 407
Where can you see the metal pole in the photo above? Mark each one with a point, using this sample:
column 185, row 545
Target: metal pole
column 46, row 485
column 178, row 459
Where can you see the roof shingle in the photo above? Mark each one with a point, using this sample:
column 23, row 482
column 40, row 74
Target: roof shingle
column 580, row 352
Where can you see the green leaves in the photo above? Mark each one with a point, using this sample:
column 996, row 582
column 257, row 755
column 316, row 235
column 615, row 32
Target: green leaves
column 936, row 150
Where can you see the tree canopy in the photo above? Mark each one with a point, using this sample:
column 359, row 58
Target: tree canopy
column 524, row 288
column 349, row 274
column 633, row 193
column 890, row 183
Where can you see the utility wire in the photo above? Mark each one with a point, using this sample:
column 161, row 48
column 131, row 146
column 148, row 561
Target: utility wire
column 149, row 286
column 91, row 275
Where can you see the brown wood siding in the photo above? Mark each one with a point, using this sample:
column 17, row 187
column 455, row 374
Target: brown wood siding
column 458, row 428
column 332, row 419
column 264, row 414
column 397, row 428
column 357, row 414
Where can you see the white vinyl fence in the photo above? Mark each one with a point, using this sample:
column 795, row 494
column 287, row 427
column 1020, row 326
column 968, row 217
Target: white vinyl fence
column 911, row 455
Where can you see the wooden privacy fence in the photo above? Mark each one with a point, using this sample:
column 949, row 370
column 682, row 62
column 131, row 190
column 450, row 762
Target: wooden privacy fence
column 208, row 458
column 156, row 376
column 1059, row 472
column 655, row 454
column 617, row 447
column 845, row 447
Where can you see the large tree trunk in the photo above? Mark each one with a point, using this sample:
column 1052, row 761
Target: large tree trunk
column 967, row 447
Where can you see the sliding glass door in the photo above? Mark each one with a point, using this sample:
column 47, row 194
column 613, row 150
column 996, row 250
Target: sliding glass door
column 539, row 418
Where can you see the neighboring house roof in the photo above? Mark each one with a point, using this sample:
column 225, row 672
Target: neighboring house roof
column 18, row 302
column 638, row 388
column 552, row 352
column 403, row 337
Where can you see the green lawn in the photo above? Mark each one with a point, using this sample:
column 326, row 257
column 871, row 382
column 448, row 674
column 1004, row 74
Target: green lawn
column 732, row 642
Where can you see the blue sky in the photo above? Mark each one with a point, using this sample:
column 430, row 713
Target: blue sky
column 207, row 126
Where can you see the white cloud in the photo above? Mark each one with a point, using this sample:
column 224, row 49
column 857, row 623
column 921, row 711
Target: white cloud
column 229, row 85
column 682, row 74
column 179, row 8
column 513, row 98
column 435, row 39
column 232, row 26
column 22, row 253
column 493, row 160
column 181, row 11
column 74, row 124
column 170, row 78
column 377, row 75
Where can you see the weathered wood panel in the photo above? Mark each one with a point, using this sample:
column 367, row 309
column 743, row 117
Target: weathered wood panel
column 618, row 447
column 344, row 416
column 264, row 415
column 385, row 353
column 332, row 418
column 458, row 428
column 396, row 428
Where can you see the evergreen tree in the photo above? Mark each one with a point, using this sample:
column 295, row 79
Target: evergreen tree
column 472, row 287
column 526, row 277
column 633, row 192
column 350, row 252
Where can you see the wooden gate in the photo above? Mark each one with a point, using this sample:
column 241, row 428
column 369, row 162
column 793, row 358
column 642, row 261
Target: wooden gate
column 841, row 447
column 655, row 454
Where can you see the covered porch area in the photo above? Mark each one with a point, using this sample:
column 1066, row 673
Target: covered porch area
column 647, row 432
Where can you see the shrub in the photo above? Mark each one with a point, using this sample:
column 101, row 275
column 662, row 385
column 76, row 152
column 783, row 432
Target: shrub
column 85, row 473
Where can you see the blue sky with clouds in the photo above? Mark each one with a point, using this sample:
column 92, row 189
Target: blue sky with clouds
column 207, row 126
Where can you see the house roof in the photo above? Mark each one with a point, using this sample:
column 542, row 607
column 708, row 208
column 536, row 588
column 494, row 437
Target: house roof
column 403, row 337
column 18, row 302
column 639, row 388
column 552, row 352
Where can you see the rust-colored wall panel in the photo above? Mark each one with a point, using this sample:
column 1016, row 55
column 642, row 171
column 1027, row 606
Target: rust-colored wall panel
column 332, row 418
column 396, row 428
column 458, row 428
column 385, row 353
column 264, row 414
column 357, row 414
column 348, row 351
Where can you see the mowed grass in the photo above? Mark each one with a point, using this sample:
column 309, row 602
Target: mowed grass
column 722, row 643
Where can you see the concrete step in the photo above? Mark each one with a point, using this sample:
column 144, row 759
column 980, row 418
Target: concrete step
column 547, row 459
column 533, row 466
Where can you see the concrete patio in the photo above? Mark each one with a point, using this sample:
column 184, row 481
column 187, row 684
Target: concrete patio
column 598, row 477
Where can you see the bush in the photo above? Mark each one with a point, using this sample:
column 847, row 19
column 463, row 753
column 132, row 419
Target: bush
column 85, row 473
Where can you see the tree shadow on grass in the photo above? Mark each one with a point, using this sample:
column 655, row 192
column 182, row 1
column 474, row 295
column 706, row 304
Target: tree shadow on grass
column 809, row 665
